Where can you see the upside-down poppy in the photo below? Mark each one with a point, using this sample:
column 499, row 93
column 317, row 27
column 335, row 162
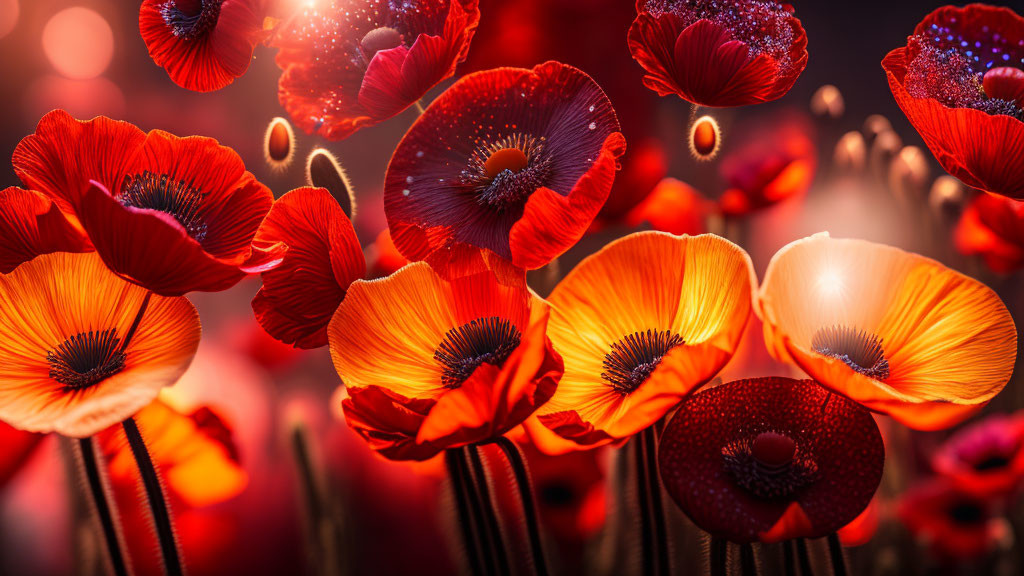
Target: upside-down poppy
column 514, row 161
column 299, row 297
column 71, row 361
column 718, row 52
column 30, row 225
column 899, row 333
column 960, row 81
column 641, row 324
column 170, row 214
column 986, row 459
column 992, row 227
column 203, row 44
column 771, row 459
column 431, row 364
column 953, row 524
column 352, row 64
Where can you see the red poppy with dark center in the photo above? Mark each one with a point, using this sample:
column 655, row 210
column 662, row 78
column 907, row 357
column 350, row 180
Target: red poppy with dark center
column 993, row 227
column 352, row 64
column 986, row 459
column 30, row 225
column 203, row 44
column 771, row 459
column 718, row 52
column 526, row 160
column 299, row 297
column 960, row 82
column 171, row 214
column 952, row 523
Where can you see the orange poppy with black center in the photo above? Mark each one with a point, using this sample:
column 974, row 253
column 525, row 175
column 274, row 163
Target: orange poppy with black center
column 641, row 324
column 74, row 359
column 771, row 459
column 899, row 333
column 171, row 214
column 431, row 364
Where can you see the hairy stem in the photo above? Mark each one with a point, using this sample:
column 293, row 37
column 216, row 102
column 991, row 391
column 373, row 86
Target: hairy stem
column 155, row 497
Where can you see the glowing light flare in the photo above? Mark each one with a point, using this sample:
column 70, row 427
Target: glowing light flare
column 828, row 101
column 324, row 171
column 78, row 42
column 831, row 283
column 705, row 138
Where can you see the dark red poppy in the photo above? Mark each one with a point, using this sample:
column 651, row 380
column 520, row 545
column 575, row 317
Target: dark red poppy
column 771, row 459
column 170, row 214
column 203, row 44
column 952, row 523
column 353, row 64
column 993, row 227
column 30, row 225
column 299, row 297
column 514, row 161
column 960, row 82
column 986, row 459
column 718, row 52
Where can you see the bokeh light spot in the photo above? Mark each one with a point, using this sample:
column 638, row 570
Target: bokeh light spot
column 78, row 43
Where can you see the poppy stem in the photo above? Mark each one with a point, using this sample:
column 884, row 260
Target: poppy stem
column 650, row 438
column 835, row 552
column 102, row 506
column 135, row 323
column 719, row 561
column 804, row 556
column 155, row 497
column 748, row 562
column 485, row 512
column 646, row 536
column 788, row 559
column 455, row 463
column 522, row 478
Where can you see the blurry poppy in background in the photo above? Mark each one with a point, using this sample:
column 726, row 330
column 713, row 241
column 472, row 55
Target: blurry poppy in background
column 171, row 214
column 952, row 524
column 299, row 297
column 430, row 364
column 525, row 162
column 18, row 446
column 203, row 44
column 960, row 81
column 73, row 362
column 718, row 53
column 673, row 207
column 383, row 256
column 992, row 227
column 31, row 224
column 641, row 324
column 771, row 459
column 985, row 459
column 348, row 65
column 899, row 333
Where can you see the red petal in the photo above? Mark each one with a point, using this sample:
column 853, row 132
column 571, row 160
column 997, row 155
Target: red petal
column 30, row 225
column 712, row 69
column 388, row 422
column 18, row 446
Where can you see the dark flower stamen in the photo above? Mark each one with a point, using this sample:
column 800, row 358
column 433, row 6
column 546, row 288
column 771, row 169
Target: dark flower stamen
column 159, row 192
column 190, row 19
column 859, row 349
column 505, row 172
column 86, row 359
column 966, row 513
column 993, row 462
column 769, row 465
column 633, row 359
column 482, row 341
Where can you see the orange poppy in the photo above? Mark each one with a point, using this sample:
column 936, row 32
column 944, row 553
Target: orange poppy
column 431, row 364
column 899, row 333
column 642, row 324
column 672, row 206
column 72, row 359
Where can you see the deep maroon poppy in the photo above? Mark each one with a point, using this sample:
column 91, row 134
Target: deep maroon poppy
column 203, row 44
column 960, row 82
column 771, row 459
column 993, row 227
column 514, row 161
column 954, row 524
column 986, row 459
column 299, row 297
column 355, row 63
column 30, row 225
column 718, row 52
column 170, row 214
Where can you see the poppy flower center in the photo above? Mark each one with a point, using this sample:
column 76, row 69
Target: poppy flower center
column 190, row 19
column 176, row 198
column 482, row 341
column 378, row 39
column 966, row 513
column 503, row 173
column 769, row 465
column 86, row 359
column 858, row 349
column 633, row 358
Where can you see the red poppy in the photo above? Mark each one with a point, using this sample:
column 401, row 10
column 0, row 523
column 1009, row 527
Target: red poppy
column 952, row 523
column 771, row 459
column 299, row 297
column 673, row 207
column 986, row 459
column 170, row 214
column 718, row 53
column 18, row 446
column 993, row 228
column 960, row 83
column 30, row 225
column 514, row 161
column 203, row 44
column 353, row 64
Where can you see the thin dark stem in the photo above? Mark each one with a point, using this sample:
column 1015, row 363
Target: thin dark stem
column 748, row 563
column 835, row 552
column 155, row 496
column 491, row 530
column 804, row 556
column 453, row 458
column 719, row 556
column 657, row 507
column 135, row 323
column 515, row 460
column 102, row 506
column 788, row 559
column 644, row 497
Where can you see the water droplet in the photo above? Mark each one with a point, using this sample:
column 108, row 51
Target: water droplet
column 593, row 126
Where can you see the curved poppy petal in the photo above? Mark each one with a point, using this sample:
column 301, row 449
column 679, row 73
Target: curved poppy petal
column 31, row 224
column 993, row 227
column 674, row 207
